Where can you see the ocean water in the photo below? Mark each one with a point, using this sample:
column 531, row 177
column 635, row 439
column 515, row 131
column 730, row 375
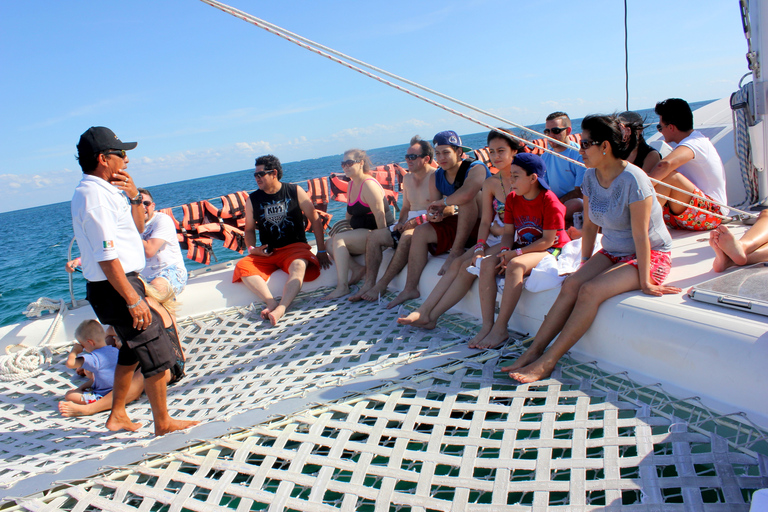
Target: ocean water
column 38, row 239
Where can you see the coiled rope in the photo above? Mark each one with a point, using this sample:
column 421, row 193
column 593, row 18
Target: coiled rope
column 22, row 362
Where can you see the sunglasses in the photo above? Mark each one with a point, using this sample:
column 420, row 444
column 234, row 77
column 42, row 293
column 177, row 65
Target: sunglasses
column 261, row 174
column 117, row 152
column 659, row 126
column 347, row 163
column 146, row 203
column 586, row 143
column 413, row 157
column 556, row 131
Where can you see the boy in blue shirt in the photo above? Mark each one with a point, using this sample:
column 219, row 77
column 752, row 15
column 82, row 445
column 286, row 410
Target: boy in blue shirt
column 92, row 354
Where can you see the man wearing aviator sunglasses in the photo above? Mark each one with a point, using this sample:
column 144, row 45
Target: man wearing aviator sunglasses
column 165, row 269
column 278, row 211
column 564, row 177
column 112, row 255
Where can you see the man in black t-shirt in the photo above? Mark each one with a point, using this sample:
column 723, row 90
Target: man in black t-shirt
column 277, row 210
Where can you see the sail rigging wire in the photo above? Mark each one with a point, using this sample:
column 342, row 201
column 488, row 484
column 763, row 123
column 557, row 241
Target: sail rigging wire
column 626, row 58
column 338, row 57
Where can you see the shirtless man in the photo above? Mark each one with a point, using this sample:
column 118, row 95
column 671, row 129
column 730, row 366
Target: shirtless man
column 420, row 158
column 455, row 186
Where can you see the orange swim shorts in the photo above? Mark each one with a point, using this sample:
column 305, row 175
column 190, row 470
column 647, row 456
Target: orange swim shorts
column 281, row 258
column 694, row 219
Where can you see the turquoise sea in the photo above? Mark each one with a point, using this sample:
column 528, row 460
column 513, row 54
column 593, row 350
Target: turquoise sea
column 37, row 239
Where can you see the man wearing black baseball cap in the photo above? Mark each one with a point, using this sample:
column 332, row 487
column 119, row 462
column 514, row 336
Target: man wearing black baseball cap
column 107, row 226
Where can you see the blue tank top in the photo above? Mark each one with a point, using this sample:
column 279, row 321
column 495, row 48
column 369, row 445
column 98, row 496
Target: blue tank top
column 447, row 188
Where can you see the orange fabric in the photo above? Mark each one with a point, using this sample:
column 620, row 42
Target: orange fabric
column 232, row 211
column 280, row 259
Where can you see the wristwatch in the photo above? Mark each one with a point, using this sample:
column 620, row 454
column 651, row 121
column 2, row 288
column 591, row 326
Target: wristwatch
column 137, row 200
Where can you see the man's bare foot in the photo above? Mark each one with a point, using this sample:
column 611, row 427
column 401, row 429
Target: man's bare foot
column 447, row 263
column 115, row 423
column 492, row 340
column 722, row 261
column 484, row 330
column 374, row 293
column 337, row 293
column 271, row 304
column 528, row 357
column 730, row 246
column 531, row 373
column 174, row 426
column 402, row 297
column 359, row 295
column 276, row 314
column 71, row 409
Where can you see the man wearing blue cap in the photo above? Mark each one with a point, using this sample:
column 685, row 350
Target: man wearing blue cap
column 453, row 215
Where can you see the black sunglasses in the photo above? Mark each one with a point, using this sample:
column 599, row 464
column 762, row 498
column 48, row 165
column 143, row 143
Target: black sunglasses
column 586, row 143
column 146, row 203
column 347, row 163
column 413, row 157
column 556, row 131
column 117, row 152
column 261, row 174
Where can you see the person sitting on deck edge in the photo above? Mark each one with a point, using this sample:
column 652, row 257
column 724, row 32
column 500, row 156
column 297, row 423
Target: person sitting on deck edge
column 565, row 177
column 419, row 157
column 276, row 208
column 693, row 166
column 455, row 186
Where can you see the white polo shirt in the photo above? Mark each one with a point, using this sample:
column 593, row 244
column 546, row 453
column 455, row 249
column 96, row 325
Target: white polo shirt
column 104, row 228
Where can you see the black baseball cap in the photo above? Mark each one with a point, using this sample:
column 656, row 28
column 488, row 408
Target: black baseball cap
column 98, row 139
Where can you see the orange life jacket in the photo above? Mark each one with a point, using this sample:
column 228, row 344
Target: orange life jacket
column 232, row 211
column 384, row 174
column 233, row 237
column 575, row 137
column 320, row 196
column 198, row 248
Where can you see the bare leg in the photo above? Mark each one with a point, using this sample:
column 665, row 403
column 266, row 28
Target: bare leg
column 487, row 289
column 468, row 215
column 396, row 264
column 457, row 290
column 572, row 206
column 342, row 247
column 296, row 271
column 417, row 259
column 421, row 316
column 118, row 418
column 377, row 241
column 71, row 409
column 677, row 180
column 259, row 287
column 517, row 269
column 561, row 310
column 722, row 261
column 156, row 389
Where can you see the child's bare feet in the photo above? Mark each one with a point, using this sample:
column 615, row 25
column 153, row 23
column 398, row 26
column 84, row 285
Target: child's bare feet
column 174, row 426
column 492, row 340
column 402, row 297
column 484, row 330
column 71, row 409
column 528, row 357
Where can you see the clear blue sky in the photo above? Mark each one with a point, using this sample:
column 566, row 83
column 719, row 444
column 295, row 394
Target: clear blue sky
column 204, row 93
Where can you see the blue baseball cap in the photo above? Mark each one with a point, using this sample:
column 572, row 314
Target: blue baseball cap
column 449, row 138
column 532, row 164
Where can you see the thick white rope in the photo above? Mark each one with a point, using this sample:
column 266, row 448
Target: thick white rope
column 23, row 362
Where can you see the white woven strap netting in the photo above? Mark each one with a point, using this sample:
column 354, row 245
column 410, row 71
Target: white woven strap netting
column 457, row 438
column 235, row 362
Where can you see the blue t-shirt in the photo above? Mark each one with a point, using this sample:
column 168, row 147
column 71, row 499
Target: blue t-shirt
column 563, row 176
column 446, row 188
column 101, row 362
